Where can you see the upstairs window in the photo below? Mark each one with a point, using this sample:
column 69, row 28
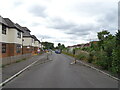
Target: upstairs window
column 3, row 48
column 3, row 29
column 18, row 34
column 32, row 40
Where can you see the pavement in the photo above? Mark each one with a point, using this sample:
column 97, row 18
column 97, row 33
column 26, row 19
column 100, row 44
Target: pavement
column 12, row 69
column 59, row 73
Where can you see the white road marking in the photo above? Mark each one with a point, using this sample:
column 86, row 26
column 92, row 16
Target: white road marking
column 99, row 70
column 1, row 84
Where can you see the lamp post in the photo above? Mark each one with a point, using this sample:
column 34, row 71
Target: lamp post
column 41, row 43
column 22, row 45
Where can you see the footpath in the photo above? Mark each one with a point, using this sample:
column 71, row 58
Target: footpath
column 14, row 68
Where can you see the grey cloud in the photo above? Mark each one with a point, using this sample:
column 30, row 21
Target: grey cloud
column 65, row 41
column 81, row 30
column 59, row 23
column 38, row 11
column 106, row 13
column 106, row 18
column 94, row 8
column 71, row 28
column 44, row 36
column 109, row 20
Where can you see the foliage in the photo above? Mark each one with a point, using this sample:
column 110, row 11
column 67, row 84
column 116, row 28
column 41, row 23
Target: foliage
column 90, row 59
column 48, row 45
column 102, row 59
column 82, row 56
column 116, row 61
column 116, row 55
column 60, row 46
column 104, row 53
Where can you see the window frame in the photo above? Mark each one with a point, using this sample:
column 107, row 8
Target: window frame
column 4, row 48
column 18, row 34
column 4, row 29
column 18, row 48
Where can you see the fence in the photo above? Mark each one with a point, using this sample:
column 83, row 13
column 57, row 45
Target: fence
column 12, row 59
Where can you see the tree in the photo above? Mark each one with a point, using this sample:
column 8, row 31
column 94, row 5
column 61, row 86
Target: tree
column 118, row 38
column 116, row 55
column 102, row 36
column 48, row 45
column 59, row 44
column 62, row 46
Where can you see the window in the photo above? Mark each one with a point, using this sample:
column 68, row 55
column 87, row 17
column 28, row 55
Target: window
column 19, row 34
column 32, row 40
column 3, row 48
column 3, row 29
column 18, row 48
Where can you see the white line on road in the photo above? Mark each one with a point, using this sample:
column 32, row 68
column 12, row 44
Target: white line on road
column 1, row 84
column 99, row 70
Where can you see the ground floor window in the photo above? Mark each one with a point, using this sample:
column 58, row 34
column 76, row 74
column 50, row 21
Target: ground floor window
column 18, row 48
column 3, row 48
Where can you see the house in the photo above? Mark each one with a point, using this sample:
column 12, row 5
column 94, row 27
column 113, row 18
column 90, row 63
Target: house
column 87, row 45
column 31, row 47
column 27, row 41
column 16, row 42
column 70, row 48
column 3, row 32
column 37, row 44
column 30, row 43
column 11, row 38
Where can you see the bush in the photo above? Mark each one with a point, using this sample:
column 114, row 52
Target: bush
column 116, row 61
column 82, row 56
column 90, row 59
column 102, row 60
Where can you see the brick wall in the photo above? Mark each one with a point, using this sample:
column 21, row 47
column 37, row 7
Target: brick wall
column 7, row 51
column 11, row 50
column 35, row 50
column 27, row 50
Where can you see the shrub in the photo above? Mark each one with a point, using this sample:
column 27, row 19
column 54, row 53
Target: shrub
column 116, row 61
column 82, row 56
column 90, row 59
column 102, row 59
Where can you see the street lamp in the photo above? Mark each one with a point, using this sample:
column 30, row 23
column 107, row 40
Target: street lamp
column 22, row 45
column 41, row 43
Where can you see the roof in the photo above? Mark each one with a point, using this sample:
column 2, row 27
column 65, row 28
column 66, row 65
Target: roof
column 11, row 24
column 26, row 32
column 34, row 37
column 2, row 21
column 25, row 28
column 18, row 26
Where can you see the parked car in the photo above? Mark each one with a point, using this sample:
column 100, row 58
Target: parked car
column 58, row 51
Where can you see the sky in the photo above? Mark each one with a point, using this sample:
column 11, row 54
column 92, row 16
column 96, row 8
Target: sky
column 68, row 22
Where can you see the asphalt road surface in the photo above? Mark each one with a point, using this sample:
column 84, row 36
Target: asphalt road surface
column 59, row 73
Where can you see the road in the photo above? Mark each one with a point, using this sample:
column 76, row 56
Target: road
column 59, row 73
